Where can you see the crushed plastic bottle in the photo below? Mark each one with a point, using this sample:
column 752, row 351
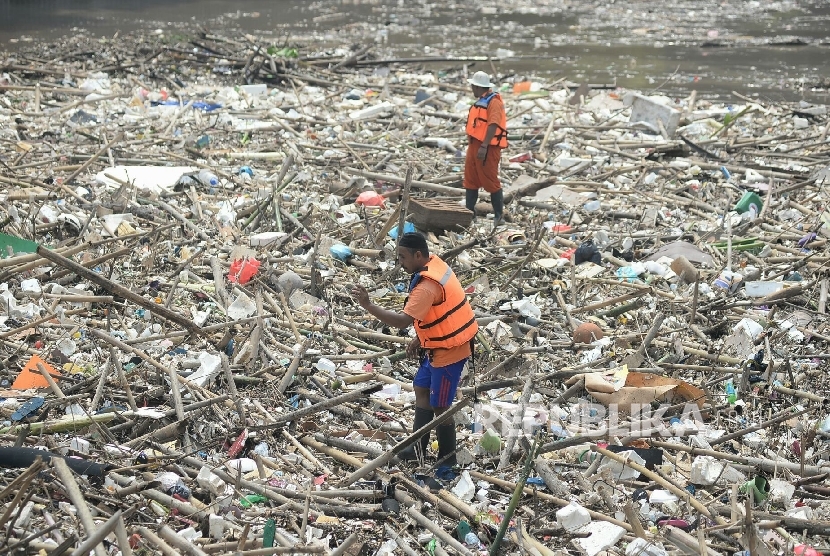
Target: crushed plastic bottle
column 471, row 539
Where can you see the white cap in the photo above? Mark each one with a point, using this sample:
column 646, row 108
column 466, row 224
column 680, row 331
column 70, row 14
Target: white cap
column 481, row 79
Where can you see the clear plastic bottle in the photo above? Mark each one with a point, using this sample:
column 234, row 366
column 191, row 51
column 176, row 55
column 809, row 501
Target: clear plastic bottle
column 208, row 178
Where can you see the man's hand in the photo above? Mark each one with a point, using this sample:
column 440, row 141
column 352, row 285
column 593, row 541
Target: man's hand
column 362, row 296
column 413, row 347
column 482, row 152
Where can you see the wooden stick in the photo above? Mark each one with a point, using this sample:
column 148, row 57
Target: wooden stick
column 22, row 478
column 507, row 451
column 446, row 190
column 305, row 510
column 456, row 502
column 77, row 499
column 287, row 310
column 292, row 368
column 119, row 290
column 95, row 539
column 219, row 282
column 179, row 542
column 633, row 520
column 695, row 296
column 318, row 407
column 438, row 531
column 767, row 465
column 564, row 307
column 52, row 384
column 405, row 443
column 612, row 301
column 170, row 209
column 404, row 206
column 122, row 377
column 685, row 542
column 165, row 548
column 26, row 479
column 399, row 540
column 311, row 549
column 99, row 391
column 799, row 394
column 305, row 453
column 507, row 485
column 240, row 407
column 786, row 416
column 674, row 489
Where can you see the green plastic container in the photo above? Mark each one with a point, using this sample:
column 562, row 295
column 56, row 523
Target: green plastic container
column 749, row 202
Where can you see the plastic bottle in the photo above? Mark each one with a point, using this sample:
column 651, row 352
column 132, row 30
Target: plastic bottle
column 208, row 178
column 731, row 394
column 471, row 539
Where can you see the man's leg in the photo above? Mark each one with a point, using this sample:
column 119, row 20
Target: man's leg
column 471, row 198
column 442, row 393
column 472, row 178
column 497, row 199
column 423, row 410
column 489, row 177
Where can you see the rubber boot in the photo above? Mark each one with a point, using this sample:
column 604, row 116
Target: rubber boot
column 497, row 199
column 422, row 417
column 446, row 444
column 471, row 198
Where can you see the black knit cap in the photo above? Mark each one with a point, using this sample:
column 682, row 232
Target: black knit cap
column 413, row 240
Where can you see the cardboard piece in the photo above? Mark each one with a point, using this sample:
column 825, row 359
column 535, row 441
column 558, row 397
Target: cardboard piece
column 639, row 388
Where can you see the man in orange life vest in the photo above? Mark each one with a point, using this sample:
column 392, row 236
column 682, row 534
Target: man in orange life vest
column 486, row 137
column 445, row 326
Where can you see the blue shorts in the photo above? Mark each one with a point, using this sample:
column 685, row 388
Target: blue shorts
column 441, row 381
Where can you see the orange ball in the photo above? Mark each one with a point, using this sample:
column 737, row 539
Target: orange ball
column 587, row 332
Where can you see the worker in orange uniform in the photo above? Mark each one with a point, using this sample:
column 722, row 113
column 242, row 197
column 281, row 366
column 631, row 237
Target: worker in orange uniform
column 445, row 326
column 486, row 137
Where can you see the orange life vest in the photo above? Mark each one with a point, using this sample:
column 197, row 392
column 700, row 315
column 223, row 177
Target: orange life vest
column 450, row 322
column 477, row 121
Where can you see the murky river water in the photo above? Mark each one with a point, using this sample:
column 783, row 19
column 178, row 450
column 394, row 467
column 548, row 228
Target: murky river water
column 773, row 49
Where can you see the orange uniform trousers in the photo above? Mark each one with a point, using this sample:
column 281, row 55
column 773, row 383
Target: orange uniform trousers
column 482, row 174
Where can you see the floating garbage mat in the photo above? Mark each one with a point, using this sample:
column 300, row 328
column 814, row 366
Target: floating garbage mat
column 215, row 340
